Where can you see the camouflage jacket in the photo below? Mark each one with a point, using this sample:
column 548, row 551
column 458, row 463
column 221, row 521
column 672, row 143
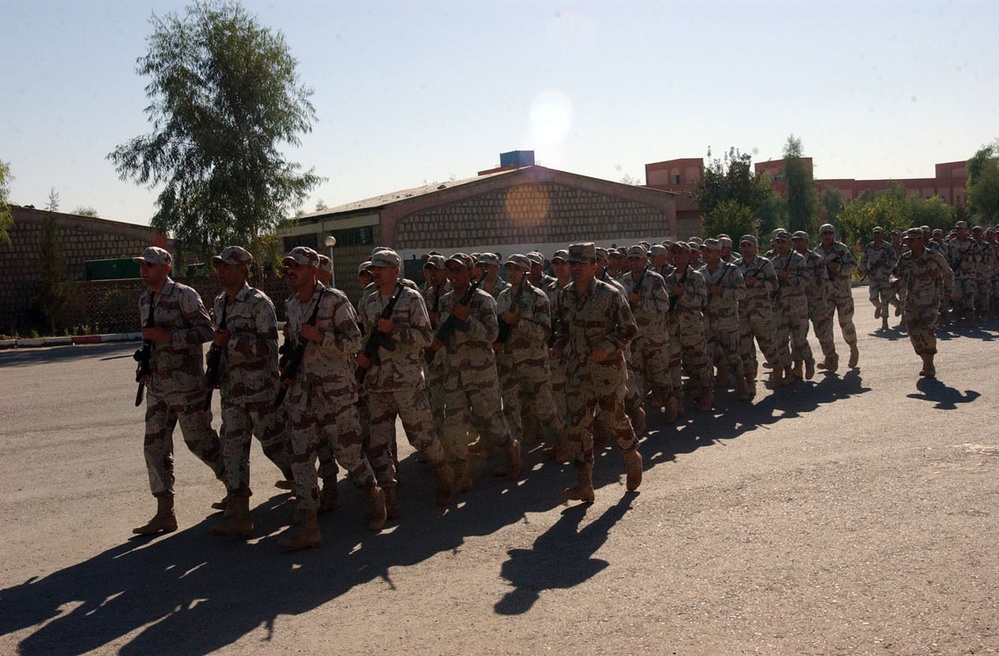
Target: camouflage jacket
column 878, row 261
column 329, row 364
column 402, row 367
column 839, row 253
column 177, row 365
column 653, row 305
column 432, row 297
column 797, row 280
column 528, row 340
column 248, row 371
column 723, row 309
column 470, row 345
column 599, row 318
column 758, row 297
column 695, row 292
column 497, row 288
column 924, row 277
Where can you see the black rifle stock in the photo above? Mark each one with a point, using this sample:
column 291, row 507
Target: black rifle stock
column 213, row 363
column 291, row 360
column 445, row 329
column 504, row 328
column 377, row 338
column 673, row 298
column 143, row 357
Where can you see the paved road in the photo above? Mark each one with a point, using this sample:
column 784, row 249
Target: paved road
column 856, row 514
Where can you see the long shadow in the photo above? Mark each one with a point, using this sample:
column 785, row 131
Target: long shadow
column 562, row 557
column 945, row 397
column 27, row 357
column 986, row 332
column 191, row 593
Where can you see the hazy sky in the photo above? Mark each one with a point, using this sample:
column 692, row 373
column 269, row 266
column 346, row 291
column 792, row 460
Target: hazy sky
column 409, row 92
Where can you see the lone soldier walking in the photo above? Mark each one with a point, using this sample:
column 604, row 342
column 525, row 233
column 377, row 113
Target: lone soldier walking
column 175, row 324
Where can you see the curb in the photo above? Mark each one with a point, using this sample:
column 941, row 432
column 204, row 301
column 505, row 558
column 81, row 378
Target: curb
column 77, row 340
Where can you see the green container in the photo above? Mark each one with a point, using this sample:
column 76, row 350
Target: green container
column 123, row 268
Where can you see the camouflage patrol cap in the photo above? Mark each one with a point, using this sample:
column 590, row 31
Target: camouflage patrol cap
column 434, row 261
column 462, row 259
column 155, row 255
column 385, row 257
column 977, row 228
column 658, row 249
column 938, row 231
column 782, row 235
column 961, row 224
column 878, row 229
column 826, row 229
column 488, row 258
column 678, row 246
column 325, row 263
column 725, row 242
column 585, row 252
column 560, row 255
column 235, row 255
column 601, row 253
column 896, row 231
column 711, row 245
column 914, row 233
column 637, row 251
column 518, row 261
column 536, row 258
column 748, row 239
column 695, row 240
column 303, row 256
column 363, row 267
column 800, row 234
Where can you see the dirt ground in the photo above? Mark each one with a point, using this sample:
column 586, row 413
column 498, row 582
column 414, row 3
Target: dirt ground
column 853, row 514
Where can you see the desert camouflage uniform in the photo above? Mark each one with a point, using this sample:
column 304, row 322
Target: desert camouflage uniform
column 435, row 370
column 721, row 315
column 756, row 314
column 500, row 286
column 923, row 278
column 248, row 386
column 556, row 366
column 688, row 346
column 791, row 306
column 815, row 282
column 322, row 400
column 877, row 262
column 983, row 280
column 522, row 362
column 964, row 258
column 471, row 384
column 600, row 318
column 839, row 296
column 650, row 350
column 175, row 388
column 395, row 385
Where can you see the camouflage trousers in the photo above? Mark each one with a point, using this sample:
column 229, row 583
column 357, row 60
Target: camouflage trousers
column 435, row 374
column 983, row 295
column 965, row 291
column 239, row 422
column 315, row 416
column 557, row 368
column 588, row 391
column 758, row 326
column 723, row 345
column 649, row 368
column 921, row 324
column 688, row 354
column 839, row 300
column 412, row 406
column 526, row 385
column 792, row 326
column 881, row 295
column 472, row 400
column 163, row 413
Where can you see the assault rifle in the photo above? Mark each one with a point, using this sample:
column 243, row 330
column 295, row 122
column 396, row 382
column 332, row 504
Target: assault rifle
column 504, row 328
column 448, row 327
column 377, row 338
column 780, row 281
column 213, row 362
column 638, row 286
column 673, row 298
column 291, row 358
column 143, row 357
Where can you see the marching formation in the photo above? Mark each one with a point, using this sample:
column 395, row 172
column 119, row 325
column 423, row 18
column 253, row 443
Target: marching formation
column 474, row 364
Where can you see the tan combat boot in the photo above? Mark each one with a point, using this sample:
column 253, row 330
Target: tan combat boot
column 722, row 379
column 514, row 462
column 776, row 376
column 797, row 371
column 482, row 448
column 221, row 505
column 854, row 356
column 809, row 368
column 584, row 488
column 164, row 521
column 636, row 413
column 633, row 467
column 788, row 378
column 671, row 410
column 376, row 514
column 329, row 498
column 928, row 369
column 392, row 510
column 444, row 476
column 706, row 401
column 830, row 364
column 306, row 536
column 240, row 524
column 462, row 479
column 743, row 386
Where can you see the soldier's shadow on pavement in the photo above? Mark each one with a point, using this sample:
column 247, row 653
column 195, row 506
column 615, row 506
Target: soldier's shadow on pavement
column 945, row 397
column 985, row 332
column 192, row 593
column 562, row 557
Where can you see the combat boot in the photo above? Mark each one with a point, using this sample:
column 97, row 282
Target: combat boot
column 706, row 401
column 329, row 498
column 877, row 311
column 788, row 378
column 306, row 536
column 809, row 368
column 376, row 514
column 514, row 462
column 221, row 505
column 636, row 413
column 462, row 479
column 797, row 369
column 743, row 386
column 633, row 467
column 164, row 521
column 584, row 488
column 928, row 369
column 444, row 476
column 285, row 484
column 392, row 510
column 830, row 364
column 671, row 410
column 481, row 448
column 240, row 524
column 722, row 379
column 884, row 322
column 854, row 356
column 776, row 376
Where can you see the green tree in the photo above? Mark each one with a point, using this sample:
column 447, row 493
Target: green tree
column 983, row 184
column 893, row 209
column 801, row 194
column 53, row 292
column 6, row 220
column 832, row 203
column 85, row 210
column 732, row 218
column 731, row 182
column 53, row 204
column 225, row 97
